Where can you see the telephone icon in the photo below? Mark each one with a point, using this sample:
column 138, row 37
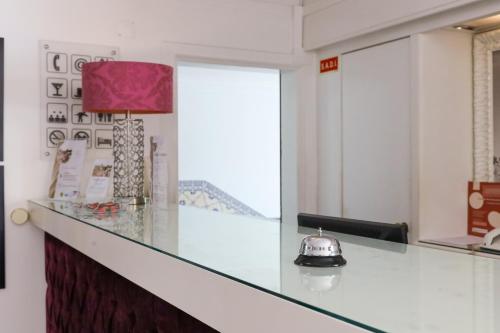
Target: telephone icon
column 55, row 61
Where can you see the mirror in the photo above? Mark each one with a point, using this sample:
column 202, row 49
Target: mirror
column 496, row 115
column 487, row 106
column 2, row 224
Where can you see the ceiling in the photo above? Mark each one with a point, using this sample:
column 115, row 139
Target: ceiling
column 483, row 24
column 281, row 2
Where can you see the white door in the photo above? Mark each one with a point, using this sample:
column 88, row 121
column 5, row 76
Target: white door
column 376, row 133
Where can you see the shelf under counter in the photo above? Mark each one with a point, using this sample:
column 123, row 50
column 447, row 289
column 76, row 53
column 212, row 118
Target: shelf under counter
column 236, row 273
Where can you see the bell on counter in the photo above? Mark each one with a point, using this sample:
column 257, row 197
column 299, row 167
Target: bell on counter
column 320, row 251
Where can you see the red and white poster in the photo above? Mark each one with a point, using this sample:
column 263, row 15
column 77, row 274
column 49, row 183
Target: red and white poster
column 484, row 208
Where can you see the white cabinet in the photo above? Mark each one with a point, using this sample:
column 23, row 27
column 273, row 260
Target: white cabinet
column 373, row 151
column 364, row 137
column 376, row 148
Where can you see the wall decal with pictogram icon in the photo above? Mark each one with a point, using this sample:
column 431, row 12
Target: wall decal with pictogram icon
column 82, row 134
column 61, row 102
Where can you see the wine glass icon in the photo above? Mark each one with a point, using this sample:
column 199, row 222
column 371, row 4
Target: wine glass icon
column 57, row 86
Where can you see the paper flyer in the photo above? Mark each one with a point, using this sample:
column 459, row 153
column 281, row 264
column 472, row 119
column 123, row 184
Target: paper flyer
column 99, row 181
column 159, row 171
column 484, row 208
column 69, row 164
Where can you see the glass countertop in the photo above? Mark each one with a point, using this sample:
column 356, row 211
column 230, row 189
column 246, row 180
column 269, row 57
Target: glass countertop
column 385, row 286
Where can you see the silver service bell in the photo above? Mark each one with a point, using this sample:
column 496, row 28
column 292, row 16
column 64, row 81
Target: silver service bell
column 320, row 251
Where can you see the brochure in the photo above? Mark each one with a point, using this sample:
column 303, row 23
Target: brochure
column 68, row 166
column 159, row 171
column 99, row 181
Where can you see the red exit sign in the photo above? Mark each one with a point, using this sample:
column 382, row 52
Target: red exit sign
column 328, row 65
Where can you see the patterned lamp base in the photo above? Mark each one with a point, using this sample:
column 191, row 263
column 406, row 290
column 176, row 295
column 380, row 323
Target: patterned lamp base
column 128, row 153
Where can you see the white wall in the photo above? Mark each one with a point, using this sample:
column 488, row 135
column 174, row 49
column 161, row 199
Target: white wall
column 330, row 142
column 289, row 143
column 307, row 139
column 444, row 93
column 141, row 29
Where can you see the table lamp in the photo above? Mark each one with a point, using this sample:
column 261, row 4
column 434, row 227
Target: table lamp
column 128, row 88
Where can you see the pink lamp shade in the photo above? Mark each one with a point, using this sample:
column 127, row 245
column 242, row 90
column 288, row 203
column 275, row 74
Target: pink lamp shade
column 126, row 86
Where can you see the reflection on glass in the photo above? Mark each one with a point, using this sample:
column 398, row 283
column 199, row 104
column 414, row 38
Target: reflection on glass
column 320, row 280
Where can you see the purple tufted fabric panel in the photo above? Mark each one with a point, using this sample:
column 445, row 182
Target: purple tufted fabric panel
column 85, row 297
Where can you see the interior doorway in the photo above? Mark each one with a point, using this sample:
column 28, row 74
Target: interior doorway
column 229, row 138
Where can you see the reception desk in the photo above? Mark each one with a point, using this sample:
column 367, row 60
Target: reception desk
column 236, row 274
